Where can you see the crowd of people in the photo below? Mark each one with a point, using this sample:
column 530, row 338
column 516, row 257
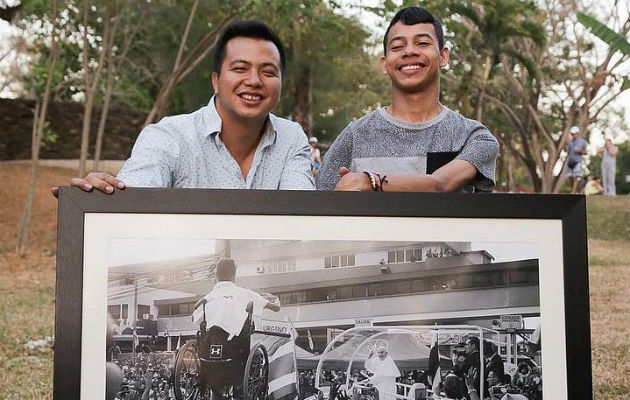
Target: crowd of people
column 146, row 376
column 380, row 378
column 524, row 385
column 150, row 376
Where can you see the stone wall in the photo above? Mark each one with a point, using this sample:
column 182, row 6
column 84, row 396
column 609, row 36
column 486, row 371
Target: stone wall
column 66, row 120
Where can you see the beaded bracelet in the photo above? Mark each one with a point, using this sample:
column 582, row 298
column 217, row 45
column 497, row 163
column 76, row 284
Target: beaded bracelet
column 372, row 180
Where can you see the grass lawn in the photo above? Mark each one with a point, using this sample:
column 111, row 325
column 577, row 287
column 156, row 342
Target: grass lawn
column 27, row 289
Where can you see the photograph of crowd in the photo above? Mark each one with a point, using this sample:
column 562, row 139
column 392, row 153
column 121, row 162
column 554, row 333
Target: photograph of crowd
column 317, row 319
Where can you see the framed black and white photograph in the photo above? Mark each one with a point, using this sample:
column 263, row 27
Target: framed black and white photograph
column 384, row 295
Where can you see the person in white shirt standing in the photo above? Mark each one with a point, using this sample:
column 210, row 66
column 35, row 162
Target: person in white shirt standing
column 226, row 302
column 384, row 372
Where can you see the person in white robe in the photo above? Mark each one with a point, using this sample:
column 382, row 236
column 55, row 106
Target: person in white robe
column 384, row 371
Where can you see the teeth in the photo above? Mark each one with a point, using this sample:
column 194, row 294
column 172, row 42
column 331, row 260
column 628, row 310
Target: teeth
column 410, row 67
column 251, row 97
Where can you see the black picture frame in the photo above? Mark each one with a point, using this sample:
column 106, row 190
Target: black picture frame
column 75, row 204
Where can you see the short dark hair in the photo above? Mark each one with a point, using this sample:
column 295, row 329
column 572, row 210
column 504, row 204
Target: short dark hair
column 225, row 270
column 251, row 28
column 489, row 348
column 474, row 340
column 413, row 16
column 453, row 386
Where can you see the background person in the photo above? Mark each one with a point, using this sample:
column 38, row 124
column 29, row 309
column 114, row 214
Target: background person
column 593, row 186
column 609, row 167
column 472, row 361
column 576, row 149
column 315, row 154
column 494, row 363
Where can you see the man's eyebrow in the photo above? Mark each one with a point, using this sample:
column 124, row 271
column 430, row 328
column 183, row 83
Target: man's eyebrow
column 266, row 64
column 416, row 36
column 237, row 61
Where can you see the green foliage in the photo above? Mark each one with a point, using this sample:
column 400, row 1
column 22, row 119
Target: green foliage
column 623, row 168
column 50, row 136
column 329, row 49
column 607, row 35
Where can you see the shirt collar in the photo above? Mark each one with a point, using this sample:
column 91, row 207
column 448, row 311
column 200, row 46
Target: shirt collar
column 212, row 125
column 224, row 283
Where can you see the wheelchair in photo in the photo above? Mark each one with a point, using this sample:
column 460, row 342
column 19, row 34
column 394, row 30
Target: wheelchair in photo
column 213, row 367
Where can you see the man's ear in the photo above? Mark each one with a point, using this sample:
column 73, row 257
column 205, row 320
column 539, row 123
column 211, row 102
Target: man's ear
column 445, row 56
column 215, row 82
column 383, row 66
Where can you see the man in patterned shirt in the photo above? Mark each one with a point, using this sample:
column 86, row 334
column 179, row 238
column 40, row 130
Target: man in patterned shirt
column 416, row 143
column 232, row 143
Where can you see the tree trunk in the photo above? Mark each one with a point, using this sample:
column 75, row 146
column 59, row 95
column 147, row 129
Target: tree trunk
column 482, row 90
column 181, row 69
column 511, row 185
column 160, row 106
column 37, row 134
column 303, row 110
column 90, row 89
column 108, row 95
column 25, row 220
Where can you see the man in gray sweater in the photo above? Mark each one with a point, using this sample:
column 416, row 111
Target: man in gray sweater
column 416, row 143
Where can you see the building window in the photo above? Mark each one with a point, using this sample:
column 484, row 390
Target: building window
column 114, row 311
column 404, row 255
column 298, row 297
column 481, row 279
column 182, row 309
column 419, row 285
column 143, row 309
column 282, row 265
column 375, row 289
column 164, row 309
column 358, row 291
column 345, row 260
column 498, row 278
column 403, row 287
column 285, row 298
column 345, row 292
column 517, row 277
column 389, row 288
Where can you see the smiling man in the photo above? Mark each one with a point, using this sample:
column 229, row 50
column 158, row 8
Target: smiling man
column 232, row 143
column 416, row 143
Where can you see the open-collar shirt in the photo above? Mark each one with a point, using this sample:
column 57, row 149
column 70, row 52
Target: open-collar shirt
column 186, row 151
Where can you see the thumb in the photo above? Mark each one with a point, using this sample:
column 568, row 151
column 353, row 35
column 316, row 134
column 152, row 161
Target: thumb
column 343, row 171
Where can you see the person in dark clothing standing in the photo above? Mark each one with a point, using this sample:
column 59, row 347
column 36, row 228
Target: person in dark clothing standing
column 472, row 361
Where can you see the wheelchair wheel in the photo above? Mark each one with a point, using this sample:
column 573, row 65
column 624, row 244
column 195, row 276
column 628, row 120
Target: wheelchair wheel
column 186, row 385
column 256, row 374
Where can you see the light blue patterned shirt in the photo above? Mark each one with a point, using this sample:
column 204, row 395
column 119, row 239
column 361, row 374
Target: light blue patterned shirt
column 186, row 151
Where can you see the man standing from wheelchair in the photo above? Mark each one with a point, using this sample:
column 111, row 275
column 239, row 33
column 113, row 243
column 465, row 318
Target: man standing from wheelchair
column 224, row 339
column 226, row 294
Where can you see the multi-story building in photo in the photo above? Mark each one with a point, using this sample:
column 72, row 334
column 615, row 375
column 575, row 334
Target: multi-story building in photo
column 328, row 286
